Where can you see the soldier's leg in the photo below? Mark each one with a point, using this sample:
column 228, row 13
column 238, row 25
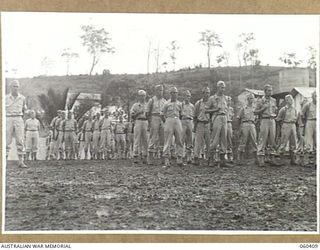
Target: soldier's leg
column 19, row 135
column 36, row 144
column 178, row 140
column 293, row 145
column 144, row 141
column 154, row 135
column 245, row 133
column 223, row 140
column 198, row 142
column 285, row 135
column 9, row 134
column 168, row 134
column 215, row 139
column 275, row 159
column 28, row 145
column 229, row 142
column 137, row 140
column 253, row 141
column 189, row 139
column 262, row 141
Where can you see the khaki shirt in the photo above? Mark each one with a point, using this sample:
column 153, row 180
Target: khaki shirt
column 120, row 128
column 200, row 109
column 287, row 114
column 105, row 124
column 88, row 126
column 172, row 109
column 59, row 124
column 96, row 125
column 138, row 107
column 32, row 124
column 230, row 114
column 309, row 111
column 220, row 102
column 15, row 106
column 157, row 105
column 187, row 111
column 246, row 114
column 69, row 125
column 53, row 123
column 271, row 111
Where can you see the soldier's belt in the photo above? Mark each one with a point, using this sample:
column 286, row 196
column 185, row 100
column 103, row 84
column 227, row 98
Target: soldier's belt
column 105, row 129
column 221, row 114
column 312, row 119
column 14, row 115
column 248, row 122
column 69, row 131
column 186, row 118
column 120, row 133
column 268, row 117
column 229, row 121
column 88, row 131
column 289, row 122
column 205, row 122
column 155, row 114
column 32, row 130
column 141, row 119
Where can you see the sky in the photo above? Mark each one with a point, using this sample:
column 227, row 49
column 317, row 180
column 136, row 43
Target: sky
column 28, row 39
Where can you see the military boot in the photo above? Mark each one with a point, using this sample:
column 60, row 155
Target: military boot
column 261, row 162
column 240, row 158
column 230, row 157
column 180, row 161
column 150, row 158
column 223, row 162
column 34, row 156
column 189, row 161
column 293, row 160
column 167, row 162
column 27, row 156
column 276, row 161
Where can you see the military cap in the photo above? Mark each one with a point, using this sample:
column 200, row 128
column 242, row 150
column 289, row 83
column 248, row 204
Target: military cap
column 221, row 83
column 158, row 87
column 173, row 90
column 14, row 82
column 142, row 92
column 267, row 86
column 288, row 97
column 205, row 89
column 188, row 93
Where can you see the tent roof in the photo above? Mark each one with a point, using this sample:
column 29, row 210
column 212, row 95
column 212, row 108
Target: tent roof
column 304, row 91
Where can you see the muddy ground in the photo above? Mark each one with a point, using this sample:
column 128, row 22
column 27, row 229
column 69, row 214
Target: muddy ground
column 116, row 195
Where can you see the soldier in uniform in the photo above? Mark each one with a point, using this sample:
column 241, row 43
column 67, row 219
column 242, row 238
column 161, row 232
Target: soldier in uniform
column 187, row 115
column 49, row 145
column 129, row 137
column 154, row 108
column 53, row 128
column 59, row 149
column 120, row 138
column 88, row 131
column 69, row 127
column 15, row 108
column 138, row 114
column 95, row 137
column 248, row 136
column 288, row 118
column 171, row 114
column 218, row 107
column 267, row 110
column 309, row 118
column 201, row 126
column 230, row 116
column 105, row 135
column 32, row 128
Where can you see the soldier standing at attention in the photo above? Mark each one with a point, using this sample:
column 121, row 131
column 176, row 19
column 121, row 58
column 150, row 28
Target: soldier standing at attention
column 201, row 126
column 309, row 117
column 171, row 114
column 246, row 118
column 53, row 128
column 120, row 137
column 187, row 115
column 154, row 108
column 32, row 128
column 95, row 137
column 88, row 131
column 15, row 108
column 230, row 116
column 218, row 107
column 69, row 127
column 267, row 110
column 288, row 117
column 105, row 135
column 138, row 114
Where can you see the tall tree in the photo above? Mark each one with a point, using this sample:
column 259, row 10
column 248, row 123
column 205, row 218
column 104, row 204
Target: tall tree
column 223, row 59
column 97, row 42
column 210, row 39
column 173, row 48
column 290, row 59
column 244, row 46
column 312, row 53
column 68, row 55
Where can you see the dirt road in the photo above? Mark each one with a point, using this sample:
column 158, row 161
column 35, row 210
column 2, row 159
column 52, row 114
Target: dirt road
column 115, row 195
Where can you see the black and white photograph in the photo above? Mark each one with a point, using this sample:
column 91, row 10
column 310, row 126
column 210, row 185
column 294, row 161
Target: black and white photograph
column 159, row 123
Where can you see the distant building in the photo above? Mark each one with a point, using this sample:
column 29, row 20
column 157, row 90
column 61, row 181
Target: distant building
column 301, row 93
column 242, row 97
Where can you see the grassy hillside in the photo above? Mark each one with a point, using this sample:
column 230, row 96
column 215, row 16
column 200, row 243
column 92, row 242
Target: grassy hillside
column 193, row 79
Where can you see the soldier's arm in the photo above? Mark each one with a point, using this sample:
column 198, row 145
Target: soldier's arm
column 281, row 115
column 213, row 106
column 260, row 108
column 163, row 112
column 304, row 111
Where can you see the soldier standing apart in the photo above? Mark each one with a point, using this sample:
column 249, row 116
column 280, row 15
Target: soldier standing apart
column 154, row 108
column 267, row 110
column 201, row 126
column 138, row 113
column 88, row 131
column 309, row 116
column 230, row 116
column 96, row 137
column 187, row 115
column 171, row 114
column 69, row 127
column 218, row 107
column 53, row 128
column 105, row 135
column 120, row 137
column 15, row 108
column 246, row 118
column 288, row 118
column 32, row 128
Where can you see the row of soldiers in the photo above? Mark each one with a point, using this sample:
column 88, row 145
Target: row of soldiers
column 210, row 120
